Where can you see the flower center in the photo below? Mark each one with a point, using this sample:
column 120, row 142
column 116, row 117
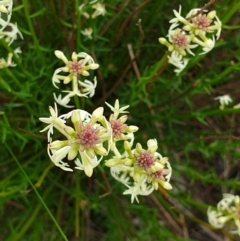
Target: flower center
column 180, row 40
column 145, row 159
column 117, row 128
column 88, row 137
column 75, row 67
column 202, row 21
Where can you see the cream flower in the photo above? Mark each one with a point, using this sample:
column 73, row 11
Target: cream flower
column 227, row 211
column 178, row 61
column 139, row 188
column 224, row 100
column 206, row 43
column 88, row 87
column 12, row 34
column 180, row 42
column 8, row 63
column 54, row 122
column 203, row 23
column 79, row 66
column 6, row 6
column 75, row 67
column 5, row 10
column 83, row 142
column 81, row 10
column 87, row 32
column 86, row 163
column 99, row 10
column 197, row 29
column 147, row 169
column 116, row 108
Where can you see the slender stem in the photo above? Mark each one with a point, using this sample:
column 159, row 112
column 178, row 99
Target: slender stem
column 28, row 222
column 231, row 10
column 75, row 89
column 77, row 211
column 41, row 179
column 35, row 190
column 10, row 74
column 202, row 9
column 31, row 28
column 76, row 101
column 155, row 73
column 78, row 24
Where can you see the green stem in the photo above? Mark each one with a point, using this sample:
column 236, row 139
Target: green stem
column 76, row 101
column 230, row 11
column 146, row 82
column 41, row 179
column 35, row 190
column 78, row 26
column 77, row 200
column 31, row 28
column 157, row 66
column 27, row 224
column 10, row 74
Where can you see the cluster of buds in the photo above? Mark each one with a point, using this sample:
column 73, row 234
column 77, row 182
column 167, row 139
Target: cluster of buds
column 227, row 212
column 92, row 10
column 8, row 31
column 91, row 137
column 198, row 29
column 79, row 66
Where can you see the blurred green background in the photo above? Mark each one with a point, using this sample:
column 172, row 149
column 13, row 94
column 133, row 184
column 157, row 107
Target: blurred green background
column 42, row 202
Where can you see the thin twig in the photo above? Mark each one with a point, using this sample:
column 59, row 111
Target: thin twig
column 142, row 35
column 108, row 24
column 127, row 20
column 202, row 9
column 205, row 227
column 109, row 189
column 31, row 134
column 134, row 63
column 167, row 216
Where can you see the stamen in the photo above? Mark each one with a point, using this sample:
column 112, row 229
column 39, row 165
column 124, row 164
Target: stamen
column 75, row 67
column 117, row 128
column 145, row 159
column 202, row 21
column 180, row 40
column 88, row 136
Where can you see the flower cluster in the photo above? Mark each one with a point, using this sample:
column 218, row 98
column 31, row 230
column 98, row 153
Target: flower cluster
column 8, row 31
column 140, row 170
column 91, row 10
column 198, row 29
column 79, row 66
column 90, row 137
column 227, row 211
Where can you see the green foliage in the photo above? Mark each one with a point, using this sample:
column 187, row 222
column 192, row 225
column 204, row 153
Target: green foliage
column 39, row 201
